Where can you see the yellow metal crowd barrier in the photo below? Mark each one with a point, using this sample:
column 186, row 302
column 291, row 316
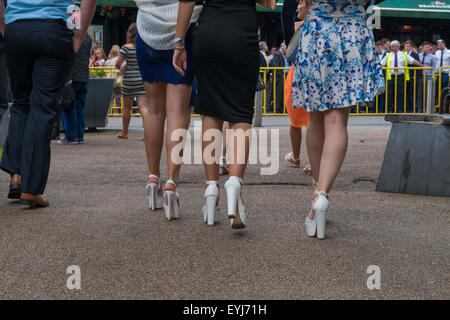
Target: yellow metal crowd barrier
column 401, row 95
column 440, row 85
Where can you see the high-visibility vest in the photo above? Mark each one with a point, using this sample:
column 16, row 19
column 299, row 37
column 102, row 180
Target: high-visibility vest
column 389, row 75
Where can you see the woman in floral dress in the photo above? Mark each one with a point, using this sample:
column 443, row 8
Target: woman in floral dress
column 335, row 69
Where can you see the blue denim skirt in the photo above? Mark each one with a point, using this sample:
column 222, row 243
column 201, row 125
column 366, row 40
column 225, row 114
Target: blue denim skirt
column 156, row 65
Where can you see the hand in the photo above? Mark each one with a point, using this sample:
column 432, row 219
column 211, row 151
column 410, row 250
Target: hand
column 77, row 40
column 298, row 24
column 180, row 61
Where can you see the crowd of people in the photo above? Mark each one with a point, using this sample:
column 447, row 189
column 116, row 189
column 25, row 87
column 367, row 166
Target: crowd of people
column 393, row 54
column 171, row 44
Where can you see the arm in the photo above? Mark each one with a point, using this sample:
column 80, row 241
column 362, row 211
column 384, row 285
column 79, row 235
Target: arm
column 417, row 63
column 413, row 61
column 119, row 62
column 86, row 15
column 185, row 10
column 121, row 58
column 2, row 17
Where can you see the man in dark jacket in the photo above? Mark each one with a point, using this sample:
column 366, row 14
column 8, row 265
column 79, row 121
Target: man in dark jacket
column 279, row 60
column 73, row 119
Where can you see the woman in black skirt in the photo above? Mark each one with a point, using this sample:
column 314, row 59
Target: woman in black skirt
column 226, row 63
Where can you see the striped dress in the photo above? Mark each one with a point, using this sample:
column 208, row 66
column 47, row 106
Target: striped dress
column 132, row 85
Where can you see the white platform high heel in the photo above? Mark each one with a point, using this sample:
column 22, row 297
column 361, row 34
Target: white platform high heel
column 311, row 225
column 320, row 210
column 172, row 208
column 236, row 209
column 211, row 206
column 155, row 201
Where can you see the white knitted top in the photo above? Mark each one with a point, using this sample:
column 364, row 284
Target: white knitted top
column 157, row 20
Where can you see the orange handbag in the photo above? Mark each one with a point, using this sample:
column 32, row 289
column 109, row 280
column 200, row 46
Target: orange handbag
column 270, row 4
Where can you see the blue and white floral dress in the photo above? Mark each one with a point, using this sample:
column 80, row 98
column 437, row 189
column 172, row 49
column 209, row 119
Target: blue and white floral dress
column 336, row 65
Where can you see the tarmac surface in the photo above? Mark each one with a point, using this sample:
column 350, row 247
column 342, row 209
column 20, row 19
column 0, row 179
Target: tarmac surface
column 99, row 220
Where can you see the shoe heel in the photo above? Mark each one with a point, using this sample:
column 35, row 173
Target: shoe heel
column 233, row 194
column 14, row 192
column 321, row 220
column 171, row 209
column 211, row 208
column 152, row 196
column 320, row 209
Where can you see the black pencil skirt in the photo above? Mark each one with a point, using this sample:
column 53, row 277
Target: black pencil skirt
column 226, row 60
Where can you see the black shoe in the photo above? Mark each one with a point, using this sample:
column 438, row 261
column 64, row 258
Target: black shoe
column 14, row 187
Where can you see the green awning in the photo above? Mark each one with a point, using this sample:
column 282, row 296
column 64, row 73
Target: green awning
column 422, row 9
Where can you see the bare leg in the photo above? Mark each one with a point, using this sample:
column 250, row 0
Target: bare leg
column 142, row 105
column 334, row 148
column 211, row 170
column 315, row 137
column 296, row 141
column 240, row 144
column 154, row 125
column 126, row 116
column 178, row 117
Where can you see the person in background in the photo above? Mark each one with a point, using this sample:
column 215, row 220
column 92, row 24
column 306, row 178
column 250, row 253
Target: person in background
column 263, row 59
column 428, row 60
column 381, row 53
column 420, row 49
column 410, row 49
column 112, row 57
column 98, row 59
column 73, row 120
column 272, row 51
column 443, row 60
column 111, row 63
column 298, row 117
column 279, row 60
column 3, row 69
column 39, row 47
column 386, row 45
column 264, row 63
column 132, row 86
column 397, row 59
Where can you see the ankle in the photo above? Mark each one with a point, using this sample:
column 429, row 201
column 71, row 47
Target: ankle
column 171, row 184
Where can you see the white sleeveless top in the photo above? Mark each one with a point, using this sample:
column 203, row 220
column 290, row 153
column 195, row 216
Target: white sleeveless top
column 157, row 20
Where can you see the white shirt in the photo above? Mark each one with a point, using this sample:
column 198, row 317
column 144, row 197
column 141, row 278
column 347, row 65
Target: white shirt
column 400, row 62
column 157, row 20
column 445, row 60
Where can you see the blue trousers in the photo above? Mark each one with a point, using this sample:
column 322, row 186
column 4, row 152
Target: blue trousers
column 73, row 119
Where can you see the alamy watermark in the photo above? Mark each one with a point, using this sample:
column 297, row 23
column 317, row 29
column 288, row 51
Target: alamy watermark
column 374, row 281
column 264, row 147
column 73, row 21
column 373, row 17
column 74, row 280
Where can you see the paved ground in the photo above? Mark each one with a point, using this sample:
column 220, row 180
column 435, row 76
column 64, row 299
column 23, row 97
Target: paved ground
column 99, row 220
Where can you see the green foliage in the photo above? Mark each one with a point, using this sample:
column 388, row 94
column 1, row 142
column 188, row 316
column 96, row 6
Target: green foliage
column 98, row 74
